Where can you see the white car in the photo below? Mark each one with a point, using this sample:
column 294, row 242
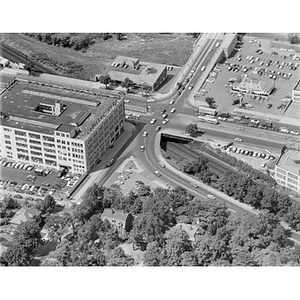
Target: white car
column 211, row 197
column 151, row 100
column 152, row 121
column 173, row 110
column 238, row 140
column 126, row 100
column 210, row 80
column 157, row 173
column 210, row 50
column 172, row 101
column 161, row 164
column 145, row 134
column 190, row 87
column 203, row 68
column 165, row 121
column 294, row 132
column 164, row 116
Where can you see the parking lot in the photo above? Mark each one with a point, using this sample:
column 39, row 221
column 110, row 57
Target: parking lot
column 279, row 70
column 32, row 183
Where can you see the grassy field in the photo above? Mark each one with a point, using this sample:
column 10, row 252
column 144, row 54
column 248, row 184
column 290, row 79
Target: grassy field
column 173, row 48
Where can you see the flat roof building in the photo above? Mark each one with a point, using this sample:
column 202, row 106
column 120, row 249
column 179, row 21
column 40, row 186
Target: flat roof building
column 252, row 85
column 287, row 170
column 141, row 73
column 49, row 124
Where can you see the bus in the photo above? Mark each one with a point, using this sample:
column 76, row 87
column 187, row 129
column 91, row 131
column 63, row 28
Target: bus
column 208, row 120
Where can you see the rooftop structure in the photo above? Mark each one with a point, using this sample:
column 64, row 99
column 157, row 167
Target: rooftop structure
column 57, row 123
column 253, row 85
column 141, row 73
column 46, row 109
column 191, row 230
column 290, row 161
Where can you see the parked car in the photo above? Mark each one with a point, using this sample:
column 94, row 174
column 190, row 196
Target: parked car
column 158, row 128
column 145, row 134
column 173, row 110
column 152, row 121
column 157, row 173
column 211, row 197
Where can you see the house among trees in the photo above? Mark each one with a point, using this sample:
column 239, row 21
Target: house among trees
column 24, row 215
column 121, row 221
column 191, row 230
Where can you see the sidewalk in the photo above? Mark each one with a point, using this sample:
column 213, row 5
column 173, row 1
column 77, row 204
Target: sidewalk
column 100, row 170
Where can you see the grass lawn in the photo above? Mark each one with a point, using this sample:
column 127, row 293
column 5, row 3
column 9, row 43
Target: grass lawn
column 173, row 49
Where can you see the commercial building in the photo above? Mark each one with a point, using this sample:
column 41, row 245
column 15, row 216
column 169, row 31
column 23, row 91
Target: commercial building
column 228, row 43
column 251, row 85
column 141, row 73
column 296, row 92
column 287, row 170
column 52, row 124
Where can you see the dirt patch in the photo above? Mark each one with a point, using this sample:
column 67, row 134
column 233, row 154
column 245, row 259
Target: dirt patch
column 173, row 49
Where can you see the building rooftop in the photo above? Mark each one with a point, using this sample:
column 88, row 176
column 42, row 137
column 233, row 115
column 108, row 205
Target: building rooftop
column 290, row 161
column 24, row 215
column 21, row 103
column 251, row 82
column 297, row 86
column 139, row 72
column 114, row 214
column 191, row 230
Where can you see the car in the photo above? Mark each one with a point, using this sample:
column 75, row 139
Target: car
column 143, row 148
column 294, row 132
column 152, row 121
column 164, row 116
column 157, row 173
column 172, row 102
column 284, row 130
column 165, row 121
column 151, row 100
column 161, row 164
column 217, row 44
column 210, row 80
column 18, row 196
column 238, row 140
column 173, row 110
column 163, row 111
column 126, row 100
column 190, row 87
column 203, row 68
column 158, row 128
column 269, row 105
column 210, row 49
column 145, row 134
column 211, row 197
column 194, row 185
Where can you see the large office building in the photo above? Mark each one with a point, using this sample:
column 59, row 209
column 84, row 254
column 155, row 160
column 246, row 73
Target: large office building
column 141, row 73
column 296, row 92
column 287, row 170
column 52, row 124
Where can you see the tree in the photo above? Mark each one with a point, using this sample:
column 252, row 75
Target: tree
column 91, row 204
column 105, row 79
column 292, row 217
column 177, row 243
column 192, row 129
column 154, row 254
column 210, row 101
column 48, row 204
column 58, row 225
column 127, row 83
column 118, row 258
column 26, row 239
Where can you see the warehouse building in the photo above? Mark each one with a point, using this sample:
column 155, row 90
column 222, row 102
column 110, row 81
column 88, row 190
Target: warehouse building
column 141, row 73
column 287, row 170
column 52, row 126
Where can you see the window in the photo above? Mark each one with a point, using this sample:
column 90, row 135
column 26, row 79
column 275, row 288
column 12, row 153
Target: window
column 8, row 142
column 8, row 147
column 35, row 142
column 36, row 153
column 21, row 145
column 49, row 139
column 22, row 150
column 7, row 129
column 22, row 133
column 35, row 136
column 7, row 136
column 35, row 148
